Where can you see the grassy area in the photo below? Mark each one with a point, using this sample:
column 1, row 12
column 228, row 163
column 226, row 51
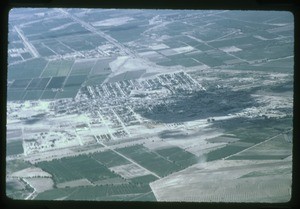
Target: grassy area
column 251, row 131
column 33, row 95
column 56, row 82
column 20, row 84
column 51, row 69
column 178, row 156
column 271, row 52
column 208, row 59
column 104, row 192
column 143, row 179
column 15, row 94
column 278, row 171
column 48, row 94
column 43, row 51
column 101, row 67
column 38, row 84
column 95, row 80
column 67, row 93
column 17, row 189
column 75, row 81
column 223, row 152
column 150, row 160
column 109, row 158
column 14, row 148
column 145, row 197
column 72, row 168
column 16, row 165
column 76, row 43
column 82, row 67
column 258, row 157
column 275, row 149
column 29, row 69
column 255, row 130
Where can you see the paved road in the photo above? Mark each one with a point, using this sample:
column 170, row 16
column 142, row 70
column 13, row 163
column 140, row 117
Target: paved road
column 118, row 153
column 27, row 44
column 90, row 28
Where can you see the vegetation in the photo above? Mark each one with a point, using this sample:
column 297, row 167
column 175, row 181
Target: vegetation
column 29, row 69
column 103, row 192
column 251, row 131
column 57, row 68
column 150, row 160
column 72, row 168
column 16, row 165
column 109, row 158
column 143, row 179
column 14, row 148
column 178, row 156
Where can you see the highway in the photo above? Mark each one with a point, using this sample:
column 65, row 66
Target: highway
column 90, row 28
column 27, row 44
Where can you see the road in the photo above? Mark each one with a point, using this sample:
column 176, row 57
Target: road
column 120, row 121
column 90, row 28
column 206, row 43
column 27, row 44
column 255, row 145
column 133, row 54
column 118, row 153
column 32, row 195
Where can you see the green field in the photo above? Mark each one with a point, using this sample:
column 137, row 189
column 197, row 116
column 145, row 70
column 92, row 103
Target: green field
column 13, row 95
column 95, row 80
column 101, row 67
column 143, row 179
column 56, row 82
column 48, row 94
column 209, row 60
column 14, row 148
column 16, row 165
column 72, row 168
column 270, row 52
column 66, row 94
column 150, row 160
column 82, row 67
column 128, row 75
column 275, row 149
column 258, row 157
column 58, row 47
column 263, row 67
column 75, row 81
column 43, row 50
column 91, row 41
column 223, row 152
column 57, row 68
column 109, row 158
column 33, row 95
column 17, row 189
column 20, row 84
column 38, row 84
column 105, row 192
column 29, row 69
column 178, row 156
column 250, row 131
column 278, row 171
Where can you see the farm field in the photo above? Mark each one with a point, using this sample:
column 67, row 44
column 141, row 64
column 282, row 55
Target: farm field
column 149, row 160
column 14, row 147
column 150, row 105
column 104, row 193
column 68, row 169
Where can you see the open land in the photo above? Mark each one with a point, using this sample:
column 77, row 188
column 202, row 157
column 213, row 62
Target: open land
column 144, row 105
